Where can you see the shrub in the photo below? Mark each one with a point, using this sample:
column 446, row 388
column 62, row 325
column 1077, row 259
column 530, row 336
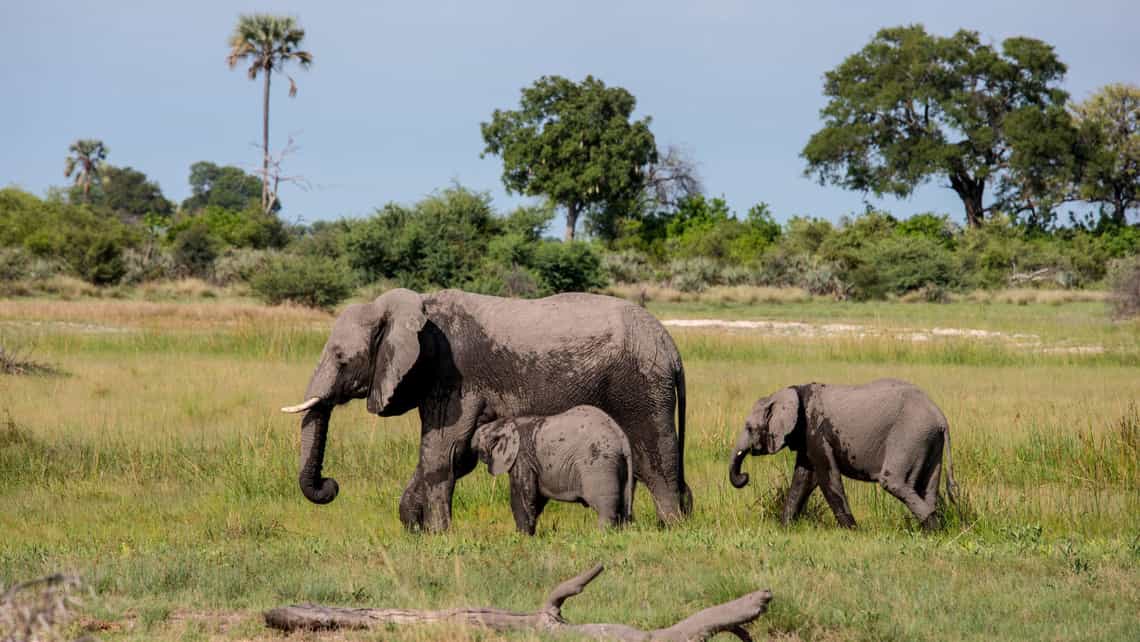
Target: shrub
column 195, row 249
column 1124, row 277
column 694, row 275
column 627, row 266
column 568, row 267
column 103, row 263
column 737, row 275
column 937, row 227
column 910, row 263
column 820, row 278
column 240, row 265
column 312, row 281
column 249, row 227
column 14, row 262
column 511, row 281
column 151, row 264
column 805, row 235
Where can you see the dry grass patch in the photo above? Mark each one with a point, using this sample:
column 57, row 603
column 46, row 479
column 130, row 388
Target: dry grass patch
column 1025, row 296
column 63, row 287
column 750, row 294
column 181, row 289
column 165, row 315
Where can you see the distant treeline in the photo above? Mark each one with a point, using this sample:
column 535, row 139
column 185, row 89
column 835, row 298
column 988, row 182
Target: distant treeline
column 127, row 233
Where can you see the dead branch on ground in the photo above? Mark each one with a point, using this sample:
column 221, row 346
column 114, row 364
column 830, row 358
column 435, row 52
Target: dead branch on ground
column 728, row 617
column 39, row 610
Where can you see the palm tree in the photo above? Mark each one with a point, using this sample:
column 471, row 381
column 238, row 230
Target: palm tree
column 85, row 161
column 267, row 42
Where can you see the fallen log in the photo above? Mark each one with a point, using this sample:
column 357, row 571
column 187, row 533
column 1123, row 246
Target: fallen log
column 729, row 617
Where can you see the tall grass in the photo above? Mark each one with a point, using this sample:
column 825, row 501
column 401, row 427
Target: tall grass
column 162, row 472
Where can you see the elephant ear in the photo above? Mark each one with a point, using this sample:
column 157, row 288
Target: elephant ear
column 498, row 445
column 402, row 317
column 784, row 414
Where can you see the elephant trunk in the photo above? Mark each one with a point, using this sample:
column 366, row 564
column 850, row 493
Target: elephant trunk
column 743, row 447
column 314, row 430
column 737, row 478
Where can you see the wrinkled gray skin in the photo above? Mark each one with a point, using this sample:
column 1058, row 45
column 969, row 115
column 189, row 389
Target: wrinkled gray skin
column 454, row 355
column 887, row 431
column 580, row 455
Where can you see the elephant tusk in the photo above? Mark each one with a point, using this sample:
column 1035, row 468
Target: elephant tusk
column 302, row 407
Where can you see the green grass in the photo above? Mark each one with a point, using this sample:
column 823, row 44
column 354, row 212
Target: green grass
column 161, row 472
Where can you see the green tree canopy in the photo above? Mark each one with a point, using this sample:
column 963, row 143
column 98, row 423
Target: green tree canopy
column 131, row 195
column 85, row 161
column 435, row 243
column 223, row 186
column 1109, row 122
column 574, row 143
column 267, row 43
column 911, row 106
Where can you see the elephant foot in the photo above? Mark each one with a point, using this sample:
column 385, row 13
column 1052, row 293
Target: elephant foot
column 417, row 522
column 438, row 525
column 931, row 523
column 412, row 509
column 686, row 500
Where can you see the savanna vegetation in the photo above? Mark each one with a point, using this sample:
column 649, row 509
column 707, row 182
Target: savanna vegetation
column 160, row 471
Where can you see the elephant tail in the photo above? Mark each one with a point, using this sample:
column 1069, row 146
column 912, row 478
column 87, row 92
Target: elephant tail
column 679, row 385
column 627, row 495
column 951, row 485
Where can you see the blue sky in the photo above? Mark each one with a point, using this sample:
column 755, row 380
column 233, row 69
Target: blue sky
column 390, row 109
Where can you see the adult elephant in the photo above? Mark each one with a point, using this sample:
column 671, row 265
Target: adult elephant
column 458, row 356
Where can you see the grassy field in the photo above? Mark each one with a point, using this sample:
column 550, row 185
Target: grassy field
column 161, row 472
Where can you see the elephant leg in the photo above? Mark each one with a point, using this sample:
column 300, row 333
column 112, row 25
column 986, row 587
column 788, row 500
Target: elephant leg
column 930, row 496
column 655, row 462
column 444, row 457
column 803, row 483
column 831, row 483
column 609, row 508
column 412, row 502
column 903, row 490
column 526, row 503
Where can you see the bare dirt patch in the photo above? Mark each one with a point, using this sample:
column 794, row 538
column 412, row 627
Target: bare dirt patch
column 825, row 331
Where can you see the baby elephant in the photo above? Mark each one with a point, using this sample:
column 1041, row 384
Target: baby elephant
column 887, row 431
column 581, row 456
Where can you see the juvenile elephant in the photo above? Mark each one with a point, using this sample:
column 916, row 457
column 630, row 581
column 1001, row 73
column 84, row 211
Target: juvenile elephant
column 887, row 431
column 580, row 455
column 454, row 355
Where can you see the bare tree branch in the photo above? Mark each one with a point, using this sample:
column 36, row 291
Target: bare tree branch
column 729, row 617
column 272, row 176
column 672, row 178
column 39, row 610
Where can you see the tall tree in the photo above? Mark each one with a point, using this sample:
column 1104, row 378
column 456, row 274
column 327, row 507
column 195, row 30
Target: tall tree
column 911, row 106
column 130, row 194
column 669, row 181
column 85, row 161
column 1109, row 124
column 574, row 143
column 226, row 186
column 267, row 42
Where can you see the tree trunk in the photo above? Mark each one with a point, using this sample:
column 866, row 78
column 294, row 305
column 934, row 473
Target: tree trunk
column 729, row 617
column 974, row 212
column 265, row 144
column 1118, row 215
column 971, row 192
column 571, row 221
